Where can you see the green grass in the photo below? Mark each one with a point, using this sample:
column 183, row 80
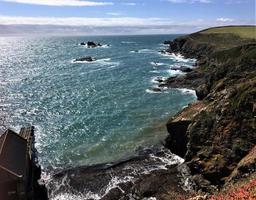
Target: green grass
column 246, row 32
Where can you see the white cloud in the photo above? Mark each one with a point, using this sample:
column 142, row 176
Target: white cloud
column 221, row 19
column 115, row 21
column 61, row 2
column 112, row 25
column 83, row 21
column 190, row 1
column 129, row 4
column 113, row 13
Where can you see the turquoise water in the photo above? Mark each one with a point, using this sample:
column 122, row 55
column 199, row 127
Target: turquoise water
column 87, row 113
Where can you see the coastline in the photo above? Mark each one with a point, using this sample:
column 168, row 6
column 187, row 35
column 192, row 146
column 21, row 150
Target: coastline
column 210, row 143
column 190, row 132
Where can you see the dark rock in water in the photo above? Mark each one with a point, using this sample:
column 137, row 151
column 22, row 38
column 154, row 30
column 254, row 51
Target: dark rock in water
column 91, row 44
column 167, row 42
column 156, row 90
column 152, row 173
column 202, row 91
column 159, row 79
column 185, row 69
column 87, row 58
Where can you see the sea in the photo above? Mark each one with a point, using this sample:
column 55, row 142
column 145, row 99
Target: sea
column 88, row 113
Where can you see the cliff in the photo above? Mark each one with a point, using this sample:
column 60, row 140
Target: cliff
column 216, row 135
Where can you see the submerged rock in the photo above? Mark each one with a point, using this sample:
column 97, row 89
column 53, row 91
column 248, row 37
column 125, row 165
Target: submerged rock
column 86, row 58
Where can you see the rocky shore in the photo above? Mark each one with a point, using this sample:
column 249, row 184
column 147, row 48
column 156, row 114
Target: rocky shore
column 217, row 135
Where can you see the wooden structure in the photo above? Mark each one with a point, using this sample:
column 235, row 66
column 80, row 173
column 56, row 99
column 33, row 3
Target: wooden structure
column 17, row 164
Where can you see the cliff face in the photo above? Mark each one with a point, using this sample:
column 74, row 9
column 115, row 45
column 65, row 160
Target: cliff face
column 216, row 133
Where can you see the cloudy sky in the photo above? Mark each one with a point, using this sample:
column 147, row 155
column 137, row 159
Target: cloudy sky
column 140, row 16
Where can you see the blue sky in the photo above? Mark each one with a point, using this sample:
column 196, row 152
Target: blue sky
column 195, row 14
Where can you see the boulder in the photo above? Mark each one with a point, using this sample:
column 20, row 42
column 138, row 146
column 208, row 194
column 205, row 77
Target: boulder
column 202, row 91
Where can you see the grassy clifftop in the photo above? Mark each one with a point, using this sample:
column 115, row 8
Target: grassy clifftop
column 245, row 32
column 220, row 38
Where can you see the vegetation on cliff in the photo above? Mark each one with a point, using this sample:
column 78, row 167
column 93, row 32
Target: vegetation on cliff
column 223, row 131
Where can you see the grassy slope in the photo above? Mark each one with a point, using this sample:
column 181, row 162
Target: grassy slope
column 247, row 32
column 225, row 37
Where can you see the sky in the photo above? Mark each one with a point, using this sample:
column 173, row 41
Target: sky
column 130, row 16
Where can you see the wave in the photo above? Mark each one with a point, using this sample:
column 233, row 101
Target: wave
column 178, row 57
column 143, row 51
column 107, row 61
column 173, row 73
column 128, row 42
column 157, row 63
column 155, row 90
column 155, row 72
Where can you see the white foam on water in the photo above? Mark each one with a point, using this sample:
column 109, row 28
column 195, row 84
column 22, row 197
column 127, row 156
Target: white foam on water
column 175, row 72
column 187, row 183
column 115, row 181
column 67, row 196
column 105, row 46
column 187, row 91
column 102, row 46
column 155, row 71
column 150, row 91
column 178, row 57
column 107, row 61
column 154, row 79
column 147, row 51
column 168, row 160
column 150, row 198
column 157, row 64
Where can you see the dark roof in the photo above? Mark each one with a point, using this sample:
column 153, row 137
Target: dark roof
column 13, row 154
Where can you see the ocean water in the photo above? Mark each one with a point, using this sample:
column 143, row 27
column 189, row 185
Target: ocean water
column 88, row 113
